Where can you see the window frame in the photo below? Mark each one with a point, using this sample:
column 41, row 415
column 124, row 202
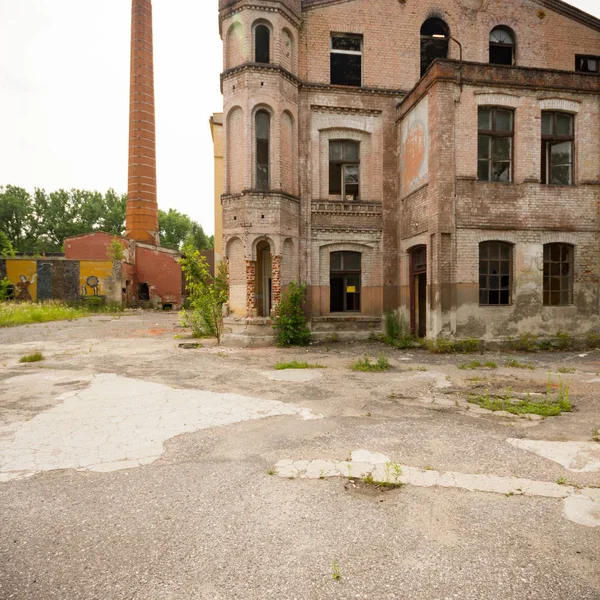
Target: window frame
column 513, row 46
column 343, row 163
column 496, row 135
column 548, row 140
column 258, row 186
column 343, row 273
column 435, row 39
column 579, row 57
column 360, row 53
column 547, row 290
column 487, row 289
column 256, row 27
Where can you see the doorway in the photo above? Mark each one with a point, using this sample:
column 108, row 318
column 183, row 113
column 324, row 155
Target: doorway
column 418, row 291
column 264, row 281
column 345, row 282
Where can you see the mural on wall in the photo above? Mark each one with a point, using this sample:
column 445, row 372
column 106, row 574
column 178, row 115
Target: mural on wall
column 414, row 148
column 22, row 274
column 92, row 275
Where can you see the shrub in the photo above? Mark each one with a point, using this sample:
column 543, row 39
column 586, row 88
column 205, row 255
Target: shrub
column 564, row 341
column 445, row 346
column 290, row 321
column 6, row 248
column 6, row 289
column 526, row 342
column 592, row 339
column 206, row 296
column 364, row 364
column 115, row 251
column 397, row 331
column 31, row 358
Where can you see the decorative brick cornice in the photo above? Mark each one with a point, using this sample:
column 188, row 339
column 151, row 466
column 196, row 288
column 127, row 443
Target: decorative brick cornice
column 345, row 110
column 359, row 208
column 252, row 67
column 261, row 193
column 349, row 230
column 233, row 7
column 350, row 90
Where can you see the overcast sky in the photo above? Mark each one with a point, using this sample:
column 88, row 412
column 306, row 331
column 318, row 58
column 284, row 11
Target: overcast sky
column 64, row 93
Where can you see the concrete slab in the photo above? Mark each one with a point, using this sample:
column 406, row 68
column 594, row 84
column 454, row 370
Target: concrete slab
column 294, row 375
column 579, row 457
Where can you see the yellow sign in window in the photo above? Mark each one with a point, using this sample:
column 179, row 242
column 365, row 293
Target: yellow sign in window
column 351, row 289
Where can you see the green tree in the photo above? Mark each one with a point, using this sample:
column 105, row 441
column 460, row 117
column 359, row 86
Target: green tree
column 17, row 219
column 177, row 230
column 113, row 219
column 6, row 248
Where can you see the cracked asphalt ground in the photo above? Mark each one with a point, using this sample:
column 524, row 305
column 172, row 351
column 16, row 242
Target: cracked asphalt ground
column 134, row 469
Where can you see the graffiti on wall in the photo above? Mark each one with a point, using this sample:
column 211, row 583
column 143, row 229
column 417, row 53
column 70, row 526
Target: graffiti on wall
column 414, row 148
column 92, row 277
column 22, row 274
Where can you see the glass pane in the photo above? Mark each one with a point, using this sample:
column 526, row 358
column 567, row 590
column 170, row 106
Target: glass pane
column 262, row 152
column 483, row 170
column 336, row 261
column 500, row 35
column 352, row 261
column 483, row 297
column 560, row 175
column 504, row 120
column 262, row 177
column 263, row 121
column 484, row 119
column 494, row 250
column 501, row 148
column 547, row 249
column 353, row 43
column 565, row 252
column 547, row 123
column 351, row 150
column 554, row 284
column 494, row 282
column 483, row 251
column 554, row 252
column 350, row 174
column 483, row 267
column 262, row 43
column 501, row 172
column 505, row 267
column 494, row 267
column 335, row 178
column 335, row 151
column 482, row 282
column 505, row 297
column 564, row 124
column 565, row 298
column 353, row 281
column 504, row 282
column 483, row 146
column 505, row 251
column 560, row 154
column 554, row 298
column 565, row 269
column 494, row 297
column 554, row 269
column 546, row 299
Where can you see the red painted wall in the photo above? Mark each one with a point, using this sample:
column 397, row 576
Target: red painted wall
column 90, row 246
column 161, row 271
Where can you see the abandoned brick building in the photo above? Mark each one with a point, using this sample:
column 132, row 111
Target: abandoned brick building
column 440, row 158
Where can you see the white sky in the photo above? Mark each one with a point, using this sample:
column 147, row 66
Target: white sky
column 64, row 96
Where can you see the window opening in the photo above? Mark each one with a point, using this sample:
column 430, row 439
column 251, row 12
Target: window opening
column 346, row 59
column 345, row 281
column 558, row 274
column 143, row 292
column 435, row 39
column 587, row 63
column 557, row 148
column 262, row 44
column 495, row 260
column 344, row 169
column 263, row 127
column 502, row 46
column 495, row 144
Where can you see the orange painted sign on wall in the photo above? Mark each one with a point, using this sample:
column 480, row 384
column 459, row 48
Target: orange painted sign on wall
column 415, row 148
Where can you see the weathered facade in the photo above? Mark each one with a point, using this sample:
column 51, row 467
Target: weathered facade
column 437, row 158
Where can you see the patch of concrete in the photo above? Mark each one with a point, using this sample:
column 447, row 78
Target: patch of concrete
column 581, row 506
column 579, row 457
column 294, row 375
column 119, row 423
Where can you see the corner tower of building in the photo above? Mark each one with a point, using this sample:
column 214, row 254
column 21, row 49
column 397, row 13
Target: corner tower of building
column 142, row 204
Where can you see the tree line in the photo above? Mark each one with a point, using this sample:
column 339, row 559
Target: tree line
column 39, row 223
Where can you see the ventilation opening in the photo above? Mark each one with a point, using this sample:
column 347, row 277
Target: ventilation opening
column 143, row 292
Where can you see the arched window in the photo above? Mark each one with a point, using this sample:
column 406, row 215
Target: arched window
column 263, row 134
column 502, row 46
column 495, row 273
column 558, row 274
column 435, row 37
column 262, row 44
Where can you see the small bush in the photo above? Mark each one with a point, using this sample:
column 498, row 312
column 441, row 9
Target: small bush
column 592, row 339
column 526, row 342
column 6, row 290
column 476, row 364
column 397, row 331
column 31, row 358
column 115, row 250
column 294, row 364
column 515, row 364
column 290, row 321
column 364, row 364
column 445, row 346
column 564, row 341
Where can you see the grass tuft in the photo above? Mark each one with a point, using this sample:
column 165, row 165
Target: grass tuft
column 444, row 346
column 294, row 364
column 365, row 364
column 515, row 364
column 31, row 358
column 477, row 364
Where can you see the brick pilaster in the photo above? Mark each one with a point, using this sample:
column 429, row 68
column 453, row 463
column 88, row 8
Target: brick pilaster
column 276, row 280
column 250, row 288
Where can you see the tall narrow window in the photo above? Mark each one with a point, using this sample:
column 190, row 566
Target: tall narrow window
column 346, row 59
column 345, row 269
column 262, row 44
column 558, row 274
column 495, row 144
column 344, row 169
column 495, row 267
column 263, row 130
column 557, row 148
column 435, row 38
column 502, row 46
column 585, row 63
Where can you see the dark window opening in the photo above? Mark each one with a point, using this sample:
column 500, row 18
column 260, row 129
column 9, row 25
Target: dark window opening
column 143, row 292
column 263, row 131
column 346, row 60
column 345, row 281
column 495, row 273
column 435, row 39
column 587, row 64
column 557, row 148
column 558, row 274
column 344, row 169
column 502, row 46
column 495, row 144
column 262, row 43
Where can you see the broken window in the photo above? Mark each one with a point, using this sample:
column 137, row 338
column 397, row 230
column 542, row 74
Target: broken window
column 495, row 144
column 262, row 44
column 346, row 59
column 557, row 148
column 587, row 64
column 435, row 38
column 345, row 272
column 344, row 169
column 263, row 130
column 502, row 46
column 495, row 260
column 558, row 274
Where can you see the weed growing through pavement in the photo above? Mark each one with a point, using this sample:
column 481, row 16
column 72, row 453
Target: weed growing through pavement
column 336, row 573
column 477, row 364
column 562, row 481
column 31, row 358
column 513, row 363
column 294, row 364
column 270, row 471
column 566, row 370
column 365, row 364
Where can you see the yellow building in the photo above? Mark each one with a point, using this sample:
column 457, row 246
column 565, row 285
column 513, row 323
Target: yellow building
column 216, row 129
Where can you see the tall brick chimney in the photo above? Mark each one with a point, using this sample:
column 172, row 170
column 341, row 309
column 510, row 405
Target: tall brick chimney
column 142, row 205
